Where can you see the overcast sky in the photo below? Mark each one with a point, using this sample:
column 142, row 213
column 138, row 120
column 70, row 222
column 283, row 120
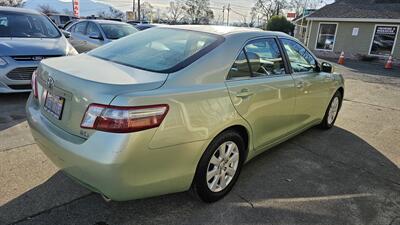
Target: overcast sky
column 239, row 7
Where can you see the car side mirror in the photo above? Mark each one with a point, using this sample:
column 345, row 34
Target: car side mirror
column 326, row 67
column 66, row 33
column 96, row 36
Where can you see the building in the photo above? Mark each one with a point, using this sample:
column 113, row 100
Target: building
column 360, row 28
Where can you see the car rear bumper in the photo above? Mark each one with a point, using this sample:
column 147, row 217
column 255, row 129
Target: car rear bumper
column 120, row 166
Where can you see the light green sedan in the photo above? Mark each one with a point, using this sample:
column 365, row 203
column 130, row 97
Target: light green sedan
column 180, row 108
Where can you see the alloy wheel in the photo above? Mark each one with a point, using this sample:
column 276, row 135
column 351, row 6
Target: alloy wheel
column 223, row 166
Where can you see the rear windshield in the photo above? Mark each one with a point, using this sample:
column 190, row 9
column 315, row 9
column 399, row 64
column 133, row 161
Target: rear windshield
column 159, row 49
column 26, row 26
column 117, row 31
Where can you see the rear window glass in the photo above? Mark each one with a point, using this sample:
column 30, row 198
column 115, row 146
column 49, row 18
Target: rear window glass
column 158, row 49
column 26, row 26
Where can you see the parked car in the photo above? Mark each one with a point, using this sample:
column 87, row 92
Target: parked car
column 26, row 37
column 145, row 26
column 171, row 109
column 60, row 20
column 89, row 34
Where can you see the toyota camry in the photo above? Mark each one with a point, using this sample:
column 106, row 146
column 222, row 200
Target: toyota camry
column 172, row 109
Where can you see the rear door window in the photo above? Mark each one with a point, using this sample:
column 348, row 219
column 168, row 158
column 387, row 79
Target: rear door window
column 240, row 68
column 265, row 57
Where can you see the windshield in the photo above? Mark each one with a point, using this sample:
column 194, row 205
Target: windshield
column 117, row 31
column 159, row 49
column 26, row 26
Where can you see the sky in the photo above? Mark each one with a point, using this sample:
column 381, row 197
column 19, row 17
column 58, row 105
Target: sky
column 239, row 7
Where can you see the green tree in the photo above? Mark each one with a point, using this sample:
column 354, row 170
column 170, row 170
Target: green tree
column 280, row 23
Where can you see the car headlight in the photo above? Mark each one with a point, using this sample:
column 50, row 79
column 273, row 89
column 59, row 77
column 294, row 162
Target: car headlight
column 71, row 50
column 2, row 62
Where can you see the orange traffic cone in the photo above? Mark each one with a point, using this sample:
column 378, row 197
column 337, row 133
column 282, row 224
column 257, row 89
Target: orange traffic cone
column 341, row 59
column 389, row 63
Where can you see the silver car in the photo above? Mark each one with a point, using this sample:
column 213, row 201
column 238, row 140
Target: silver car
column 26, row 37
column 89, row 34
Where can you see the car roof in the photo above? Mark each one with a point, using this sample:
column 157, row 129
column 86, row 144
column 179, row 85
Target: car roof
column 103, row 21
column 19, row 10
column 226, row 30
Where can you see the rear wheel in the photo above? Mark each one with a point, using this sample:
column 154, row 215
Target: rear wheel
column 219, row 167
column 332, row 111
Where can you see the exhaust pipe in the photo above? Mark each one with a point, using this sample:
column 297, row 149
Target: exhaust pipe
column 105, row 198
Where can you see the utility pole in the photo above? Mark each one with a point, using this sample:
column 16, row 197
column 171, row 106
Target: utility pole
column 223, row 14
column 133, row 9
column 138, row 10
column 229, row 10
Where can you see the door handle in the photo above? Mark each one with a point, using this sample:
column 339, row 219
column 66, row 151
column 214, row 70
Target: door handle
column 300, row 84
column 244, row 93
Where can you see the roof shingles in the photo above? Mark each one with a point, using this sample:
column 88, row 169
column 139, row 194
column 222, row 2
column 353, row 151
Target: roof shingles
column 373, row 9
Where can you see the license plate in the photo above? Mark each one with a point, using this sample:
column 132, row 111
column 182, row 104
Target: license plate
column 54, row 105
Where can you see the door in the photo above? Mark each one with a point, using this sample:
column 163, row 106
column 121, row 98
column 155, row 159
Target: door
column 262, row 91
column 78, row 36
column 94, row 37
column 312, row 86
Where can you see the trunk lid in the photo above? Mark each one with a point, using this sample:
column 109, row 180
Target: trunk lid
column 82, row 80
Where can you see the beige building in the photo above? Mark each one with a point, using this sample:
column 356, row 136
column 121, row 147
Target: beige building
column 360, row 28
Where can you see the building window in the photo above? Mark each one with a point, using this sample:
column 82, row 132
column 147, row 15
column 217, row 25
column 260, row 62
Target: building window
column 383, row 40
column 326, row 36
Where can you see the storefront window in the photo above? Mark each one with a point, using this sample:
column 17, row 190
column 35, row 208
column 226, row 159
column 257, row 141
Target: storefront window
column 326, row 36
column 383, row 41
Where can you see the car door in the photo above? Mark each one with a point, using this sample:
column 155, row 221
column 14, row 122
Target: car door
column 312, row 86
column 78, row 36
column 262, row 91
column 95, row 38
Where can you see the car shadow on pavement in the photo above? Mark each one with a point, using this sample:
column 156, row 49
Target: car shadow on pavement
column 12, row 109
column 318, row 177
column 371, row 68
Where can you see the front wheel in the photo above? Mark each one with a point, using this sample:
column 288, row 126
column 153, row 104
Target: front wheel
column 219, row 167
column 332, row 111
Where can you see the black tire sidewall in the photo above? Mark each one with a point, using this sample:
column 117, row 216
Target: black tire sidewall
column 325, row 124
column 200, row 183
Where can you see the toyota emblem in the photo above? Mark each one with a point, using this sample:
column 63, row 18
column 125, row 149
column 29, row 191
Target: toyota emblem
column 50, row 83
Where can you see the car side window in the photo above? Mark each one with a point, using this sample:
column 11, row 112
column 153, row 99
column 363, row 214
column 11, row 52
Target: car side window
column 92, row 29
column 265, row 57
column 80, row 28
column 240, row 68
column 300, row 59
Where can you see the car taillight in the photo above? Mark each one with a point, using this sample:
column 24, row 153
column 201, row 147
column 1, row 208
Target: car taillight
column 121, row 119
column 34, row 84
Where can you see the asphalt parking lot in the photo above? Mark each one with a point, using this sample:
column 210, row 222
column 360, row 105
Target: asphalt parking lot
column 347, row 175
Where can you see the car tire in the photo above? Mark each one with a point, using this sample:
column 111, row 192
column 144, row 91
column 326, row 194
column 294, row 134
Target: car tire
column 210, row 188
column 332, row 111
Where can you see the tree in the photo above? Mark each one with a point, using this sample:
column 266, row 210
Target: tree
column 12, row 3
column 280, row 23
column 269, row 8
column 146, row 11
column 111, row 13
column 199, row 11
column 47, row 9
column 176, row 11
